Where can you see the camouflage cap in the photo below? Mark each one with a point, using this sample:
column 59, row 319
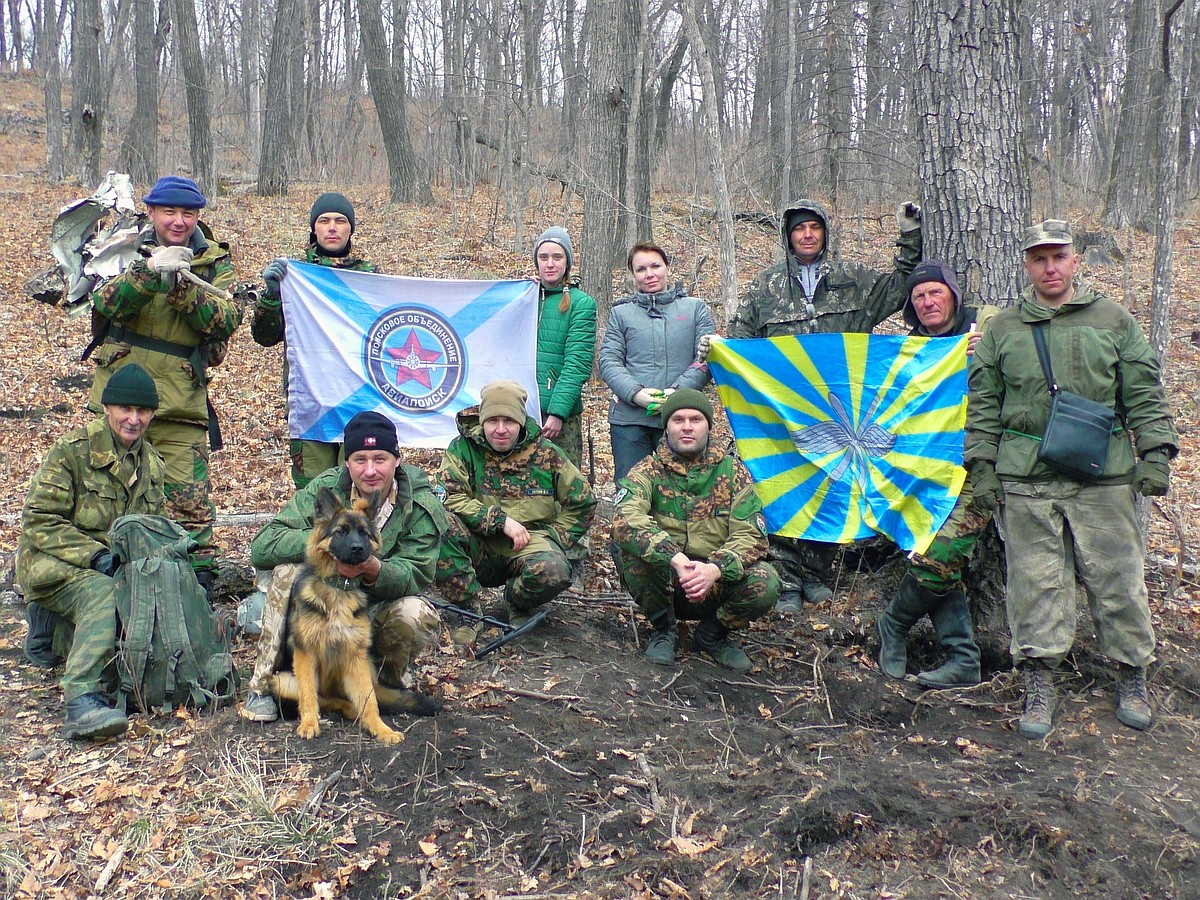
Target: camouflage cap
column 1050, row 231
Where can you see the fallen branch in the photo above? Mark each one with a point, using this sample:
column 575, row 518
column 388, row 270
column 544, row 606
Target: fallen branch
column 538, row 695
column 110, row 869
column 656, row 803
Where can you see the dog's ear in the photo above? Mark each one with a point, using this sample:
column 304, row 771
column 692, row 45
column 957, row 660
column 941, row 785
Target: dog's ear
column 327, row 505
column 374, row 502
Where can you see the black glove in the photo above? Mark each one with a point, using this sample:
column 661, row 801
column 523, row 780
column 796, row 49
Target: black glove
column 105, row 563
column 1152, row 476
column 272, row 275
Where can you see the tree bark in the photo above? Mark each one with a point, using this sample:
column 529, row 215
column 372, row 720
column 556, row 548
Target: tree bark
column 277, row 135
column 966, row 101
column 406, row 181
column 716, row 161
column 195, row 80
column 47, row 44
column 139, row 151
column 87, row 110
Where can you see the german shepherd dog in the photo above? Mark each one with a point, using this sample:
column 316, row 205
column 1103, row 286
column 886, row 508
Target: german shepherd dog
column 329, row 632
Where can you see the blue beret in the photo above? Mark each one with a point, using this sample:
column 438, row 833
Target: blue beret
column 173, row 190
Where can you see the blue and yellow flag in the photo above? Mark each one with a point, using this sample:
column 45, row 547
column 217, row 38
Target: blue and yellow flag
column 849, row 434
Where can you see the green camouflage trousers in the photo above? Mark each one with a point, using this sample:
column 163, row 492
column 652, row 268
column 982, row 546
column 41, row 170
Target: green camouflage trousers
column 1055, row 530
column 531, row 577
column 735, row 604
column 801, row 562
column 570, row 441
column 941, row 567
column 311, row 458
column 400, row 630
column 188, row 490
column 89, row 603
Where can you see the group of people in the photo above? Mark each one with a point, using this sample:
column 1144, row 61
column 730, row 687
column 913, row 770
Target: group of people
column 510, row 508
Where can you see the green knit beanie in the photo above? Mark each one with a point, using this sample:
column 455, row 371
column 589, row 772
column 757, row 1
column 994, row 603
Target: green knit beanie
column 130, row 386
column 686, row 398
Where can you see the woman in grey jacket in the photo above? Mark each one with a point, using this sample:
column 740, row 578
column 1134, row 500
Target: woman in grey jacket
column 649, row 351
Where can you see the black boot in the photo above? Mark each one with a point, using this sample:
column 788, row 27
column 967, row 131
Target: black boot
column 904, row 611
column 712, row 638
column 39, row 638
column 952, row 620
column 660, row 649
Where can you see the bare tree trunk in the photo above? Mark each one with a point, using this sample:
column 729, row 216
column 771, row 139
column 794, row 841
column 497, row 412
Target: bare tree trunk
column 386, row 78
column 48, row 41
column 87, row 112
column 276, row 137
column 716, row 160
column 251, row 38
column 837, row 96
column 139, row 151
column 612, row 42
column 638, row 224
column 966, row 102
column 18, row 42
column 191, row 63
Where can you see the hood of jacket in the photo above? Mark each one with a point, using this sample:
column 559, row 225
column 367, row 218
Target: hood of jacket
column 913, row 321
column 794, row 209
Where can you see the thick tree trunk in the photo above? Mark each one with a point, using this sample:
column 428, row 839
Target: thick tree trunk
column 277, row 116
column 965, row 98
column 407, row 182
column 195, row 81
column 139, row 151
column 47, row 43
column 87, row 110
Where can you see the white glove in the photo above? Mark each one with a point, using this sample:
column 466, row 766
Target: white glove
column 702, row 347
column 908, row 216
column 646, row 396
column 170, row 260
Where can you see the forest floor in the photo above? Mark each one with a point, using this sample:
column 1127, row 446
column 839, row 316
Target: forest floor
column 565, row 765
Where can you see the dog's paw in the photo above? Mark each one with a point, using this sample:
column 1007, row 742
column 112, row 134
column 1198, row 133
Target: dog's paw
column 390, row 737
column 308, row 730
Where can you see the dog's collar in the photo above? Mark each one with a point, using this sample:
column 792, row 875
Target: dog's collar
column 341, row 583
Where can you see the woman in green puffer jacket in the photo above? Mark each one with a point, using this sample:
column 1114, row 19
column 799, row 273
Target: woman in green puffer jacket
column 566, row 343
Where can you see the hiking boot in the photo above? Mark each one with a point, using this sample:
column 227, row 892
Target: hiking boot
column 789, row 603
column 660, row 649
column 952, row 621
column 906, row 608
column 89, row 718
column 466, row 634
column 1040, row 700
column 816, row 592
column 711, row 638
column 1133, row 700
column 39, row 638
column 259, row 708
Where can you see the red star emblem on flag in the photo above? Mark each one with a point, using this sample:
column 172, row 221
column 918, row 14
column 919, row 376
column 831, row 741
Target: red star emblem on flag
column 412, row 361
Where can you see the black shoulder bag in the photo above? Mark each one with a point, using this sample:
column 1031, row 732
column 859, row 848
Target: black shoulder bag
column 1078, row 430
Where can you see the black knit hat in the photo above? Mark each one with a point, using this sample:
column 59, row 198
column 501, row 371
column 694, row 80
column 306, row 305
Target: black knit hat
column 130, row 386
column 370, row 431
column 331, row 202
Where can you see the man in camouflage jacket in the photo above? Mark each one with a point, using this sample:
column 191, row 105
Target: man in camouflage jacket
column 330, row 243
column 814, row 291
column 691, row 539
column 1058, row 527
column 90, row 478
column 173, row 329
column 412, row 525
column 524, row 504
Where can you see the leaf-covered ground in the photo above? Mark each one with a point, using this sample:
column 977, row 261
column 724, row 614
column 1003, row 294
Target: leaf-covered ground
column 565, row 765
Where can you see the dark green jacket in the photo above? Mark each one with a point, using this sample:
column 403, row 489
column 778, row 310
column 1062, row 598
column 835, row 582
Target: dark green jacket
column 410, row 539
column 1097, row 350
column 534, row 483
column 705, row 508
column 849, row 297
column 76, row 495
column 566, row 348
column 144, row 303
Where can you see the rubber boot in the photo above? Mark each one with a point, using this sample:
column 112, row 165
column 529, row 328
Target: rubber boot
column 904, row 611
column 660, row 649
column 39, row 636
column 712, row 638
column 952, row 621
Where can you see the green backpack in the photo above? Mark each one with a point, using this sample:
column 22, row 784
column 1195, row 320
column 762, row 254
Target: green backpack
column 172, row 650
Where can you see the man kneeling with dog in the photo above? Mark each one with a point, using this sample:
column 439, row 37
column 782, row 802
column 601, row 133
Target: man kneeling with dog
column 406, row 523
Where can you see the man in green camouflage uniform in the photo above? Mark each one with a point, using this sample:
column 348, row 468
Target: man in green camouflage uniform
column 90, row 478
column 330, row 243
column 524, row 505
column 1057, row 527
column 933, row 583
column 812, row 291
column 691, row 539
column 411, row 525
column 175, row 330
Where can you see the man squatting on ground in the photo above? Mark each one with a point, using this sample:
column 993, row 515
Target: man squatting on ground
column 932, row 584
column 813, row 291
column 1055, row 526
column 175, row 331
column 524, row 505
column 331, row 225
column 90, row 478
column 411, row 525
column 691, row 538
